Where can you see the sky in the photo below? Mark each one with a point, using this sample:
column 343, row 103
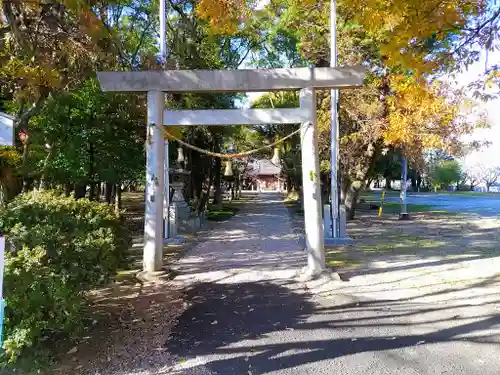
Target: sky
column 487, row 156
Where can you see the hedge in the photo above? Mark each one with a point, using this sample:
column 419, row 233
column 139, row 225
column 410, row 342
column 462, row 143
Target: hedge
column 59, row 249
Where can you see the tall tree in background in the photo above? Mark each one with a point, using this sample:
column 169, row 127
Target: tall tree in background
column 49, row 52
column 405, row 44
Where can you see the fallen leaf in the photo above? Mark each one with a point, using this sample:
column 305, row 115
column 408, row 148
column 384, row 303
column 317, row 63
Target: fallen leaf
column 72, row 350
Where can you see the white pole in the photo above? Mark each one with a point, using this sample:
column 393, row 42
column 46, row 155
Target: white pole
column 311, row 186
column 334, row 130
column 153, row 220
column 163, row 59
column 163, row 32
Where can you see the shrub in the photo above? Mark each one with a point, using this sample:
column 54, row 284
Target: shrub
column 61, row 247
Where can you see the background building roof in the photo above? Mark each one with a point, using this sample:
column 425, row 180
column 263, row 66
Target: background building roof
column 265, row 167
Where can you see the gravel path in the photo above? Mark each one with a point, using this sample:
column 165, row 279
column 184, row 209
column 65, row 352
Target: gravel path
column 248, row 316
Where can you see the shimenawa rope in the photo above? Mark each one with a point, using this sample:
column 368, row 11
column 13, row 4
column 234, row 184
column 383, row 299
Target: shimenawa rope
column 226, row 156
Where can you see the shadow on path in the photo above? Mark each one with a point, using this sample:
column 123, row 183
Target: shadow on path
column 265, row 327
column 222, row 314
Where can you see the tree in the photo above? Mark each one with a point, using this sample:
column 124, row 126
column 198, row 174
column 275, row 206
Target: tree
column 401, row 106
column 446, row 173
column 490, row 175
column 91, row 137
column 472, row 175
column 45, row 48
column 455, row 30
column 387, row 166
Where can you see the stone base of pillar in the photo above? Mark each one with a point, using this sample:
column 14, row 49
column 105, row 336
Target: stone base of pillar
column 177, row 240
column 157, row 276
column 172, row 237
column 343, row 239
column 306, row 275
column 339, row 241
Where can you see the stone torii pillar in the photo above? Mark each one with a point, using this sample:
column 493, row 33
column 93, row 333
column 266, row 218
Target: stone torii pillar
column 307, row 80
column 155, row 181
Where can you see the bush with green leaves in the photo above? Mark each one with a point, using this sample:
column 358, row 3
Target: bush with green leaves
column 59, row 249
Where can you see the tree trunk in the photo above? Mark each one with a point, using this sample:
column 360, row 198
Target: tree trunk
column 80, row 191
column 118, row 197
column 43, row 178
column 413, row 182
column 202, row 202
column 190, row 181
column 108, row 191
column 351, row 198
column 369, row 182
column 197, row 176
column 353, row 187
column 218, row 193
column 388, row 183
column 90, row 175
column 24, row 167
column 67, row 189
column 93, row 191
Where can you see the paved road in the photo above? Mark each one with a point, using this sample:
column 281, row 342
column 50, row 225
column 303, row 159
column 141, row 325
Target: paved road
column 477, row 205
column 249, row 317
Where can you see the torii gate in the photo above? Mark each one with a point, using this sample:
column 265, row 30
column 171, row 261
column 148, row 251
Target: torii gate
column 155, row 83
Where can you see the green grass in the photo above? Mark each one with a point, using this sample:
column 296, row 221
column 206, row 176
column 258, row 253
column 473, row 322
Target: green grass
column 412, row 207
column 369, row 195
column 415, row 208
column 227, row 211
column 391, row 243
column 470, row 194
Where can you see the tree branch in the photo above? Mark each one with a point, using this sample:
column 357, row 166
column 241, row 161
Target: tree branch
column 477, row 31
column 4, row 30
column 24, row 116
column 141, row 40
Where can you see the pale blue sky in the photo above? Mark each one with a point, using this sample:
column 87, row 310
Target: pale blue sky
column 488, row 156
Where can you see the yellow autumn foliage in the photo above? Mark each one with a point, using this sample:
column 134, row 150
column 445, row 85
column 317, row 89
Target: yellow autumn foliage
column 404, row 25
column 420, row 115
column 223, row 15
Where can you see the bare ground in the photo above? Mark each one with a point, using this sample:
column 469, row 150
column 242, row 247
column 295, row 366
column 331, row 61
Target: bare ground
column 431, row 258
column 435, row 259
column 131, row 319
